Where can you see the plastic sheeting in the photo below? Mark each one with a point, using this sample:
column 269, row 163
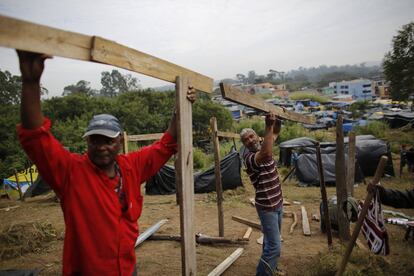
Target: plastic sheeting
column 163, row 183
column 368, row 153
column 39, row 187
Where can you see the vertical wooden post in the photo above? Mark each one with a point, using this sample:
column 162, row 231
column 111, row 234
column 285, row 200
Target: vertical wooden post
column 324, row 196
column 362, row 215
column 125, row 142
column 217, row 172
column 350, row 179
column 16, row 175
column 184, row 177
column 341, row 192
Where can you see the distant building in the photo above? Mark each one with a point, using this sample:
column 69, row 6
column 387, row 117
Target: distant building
column 381, row 89
column 328, row 91
column 359, row 90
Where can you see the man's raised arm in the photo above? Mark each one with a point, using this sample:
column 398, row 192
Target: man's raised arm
column 31, row 67
column 272, row 129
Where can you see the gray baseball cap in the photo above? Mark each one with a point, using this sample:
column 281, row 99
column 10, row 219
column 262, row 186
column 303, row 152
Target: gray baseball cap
column 103, row 124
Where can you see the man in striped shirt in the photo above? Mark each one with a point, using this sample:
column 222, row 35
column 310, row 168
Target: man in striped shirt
column 261, row 168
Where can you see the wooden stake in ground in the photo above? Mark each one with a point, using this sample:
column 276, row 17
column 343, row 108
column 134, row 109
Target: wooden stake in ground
column 340, row 178
column 125, row 148
column 236, row 95
column 16, row 174
column 226, row 263
column 362, row 215
column 217, row 172
column 350, row 177
column 184, row 177
column 325, row 208
column 305, row 222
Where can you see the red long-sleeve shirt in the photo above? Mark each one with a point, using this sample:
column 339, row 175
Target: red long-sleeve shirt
column 99, row 237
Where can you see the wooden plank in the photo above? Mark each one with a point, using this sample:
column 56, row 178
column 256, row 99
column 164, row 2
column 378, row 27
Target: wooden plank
column 110, row 52
column 184, row 177
column 326, row 218
column 144, row 137
column 362, row 215
column 147, row 233
column 217, row 173
column 247, row 222
column 340, row 178
column 236, row 95
column 226, row 263
column 350, row 176
column 23, row 35
column 246, row 235
column 305, row 222
column 228, row 135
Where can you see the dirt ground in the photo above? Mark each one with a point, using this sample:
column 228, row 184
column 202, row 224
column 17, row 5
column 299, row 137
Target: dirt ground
column 299, row 252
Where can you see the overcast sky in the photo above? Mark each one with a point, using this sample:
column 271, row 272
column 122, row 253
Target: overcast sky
column 218, row 38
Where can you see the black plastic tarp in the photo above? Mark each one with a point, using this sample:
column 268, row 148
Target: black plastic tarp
column 163, row 183
column 39, row 187
column 306, row 169
column 398, row 119
column 368, row 153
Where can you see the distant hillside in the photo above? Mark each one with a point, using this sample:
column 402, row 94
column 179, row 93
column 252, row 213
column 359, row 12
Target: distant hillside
column 313, row 77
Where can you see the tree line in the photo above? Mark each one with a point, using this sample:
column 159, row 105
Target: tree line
column 140, row 112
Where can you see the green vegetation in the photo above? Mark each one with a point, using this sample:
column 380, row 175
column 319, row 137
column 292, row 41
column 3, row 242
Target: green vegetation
column 358, row 108
column 305, row 95
column 399, row 64
column 377, row 128
column 140, row 112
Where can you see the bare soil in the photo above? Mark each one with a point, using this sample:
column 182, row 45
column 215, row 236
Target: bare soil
column 301, row 255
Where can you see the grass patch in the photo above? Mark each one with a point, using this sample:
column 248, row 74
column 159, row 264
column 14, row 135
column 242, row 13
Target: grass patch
column 306, row 95
column 361, row 262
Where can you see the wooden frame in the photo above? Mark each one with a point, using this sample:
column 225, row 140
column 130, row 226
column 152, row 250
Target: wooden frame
column 27, row 36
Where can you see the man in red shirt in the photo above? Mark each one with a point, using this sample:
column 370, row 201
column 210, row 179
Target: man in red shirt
column 99, row 191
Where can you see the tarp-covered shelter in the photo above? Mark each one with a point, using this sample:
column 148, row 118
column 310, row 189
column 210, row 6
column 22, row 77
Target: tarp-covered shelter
column 368, row 153
column 163, row 183
column 25, row 178
column 398, row 119
column 30, row 181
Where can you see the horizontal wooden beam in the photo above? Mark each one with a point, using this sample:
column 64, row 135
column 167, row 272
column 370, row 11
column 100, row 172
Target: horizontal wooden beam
column 234, row 94
column 247, row 222
column 228, row 134
column 110, row 52
column 144, row 137
column 23, row 35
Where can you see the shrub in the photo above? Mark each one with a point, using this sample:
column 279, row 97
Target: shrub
column 199, row 159
column 377, row 128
